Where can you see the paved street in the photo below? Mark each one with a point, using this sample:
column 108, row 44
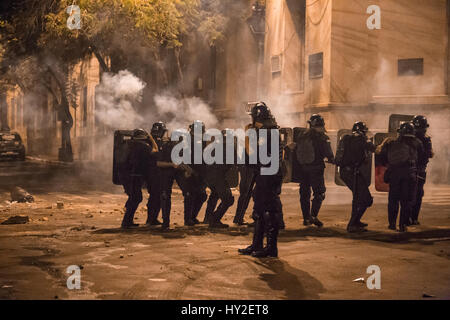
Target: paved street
column 199, row 263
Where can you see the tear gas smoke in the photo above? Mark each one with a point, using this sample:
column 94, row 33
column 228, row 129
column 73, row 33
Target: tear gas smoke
column 116, row 99
column 179, row 113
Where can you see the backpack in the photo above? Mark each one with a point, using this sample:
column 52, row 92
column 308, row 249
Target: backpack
column 399, row 153
column 353, row 152
column 305, row 149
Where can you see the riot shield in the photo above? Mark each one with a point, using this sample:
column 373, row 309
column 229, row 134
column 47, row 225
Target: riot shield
column 286, row 137
column 380, row 185
column 395, row 120
column 120, row 152
column 295, row 175
column 366, row 168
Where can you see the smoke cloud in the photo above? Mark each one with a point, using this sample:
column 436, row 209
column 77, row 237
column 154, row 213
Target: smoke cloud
column 179, row 113
column 117, row 98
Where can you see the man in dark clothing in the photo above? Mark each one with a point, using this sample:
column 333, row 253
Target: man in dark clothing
column 311, row 147
column 220, row 190
column 352, row 152
column 140, row 163
column 160, row 184
column 401, row 157
column 216, row 180
column 421, row 125
column 193, row 186
column 266, row 195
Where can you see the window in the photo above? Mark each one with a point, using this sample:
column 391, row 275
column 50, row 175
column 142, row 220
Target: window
column 276, row 64
column 410, row 67
column 315, row 66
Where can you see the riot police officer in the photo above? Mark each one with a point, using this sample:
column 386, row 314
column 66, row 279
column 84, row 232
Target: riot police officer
column 154, row 182
column 421, row 125
column 140, row 163
column 266, row 196
column 353, row 151
column 311, row 147
column 401, row 157
column 215, row 178
column 193, row 185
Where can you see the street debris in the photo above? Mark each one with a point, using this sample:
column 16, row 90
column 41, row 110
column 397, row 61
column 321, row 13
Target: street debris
column 157, row 280
column 21, row 195
column 359, row 280
column 17, row 220
column 426, row 295
column 43, row 219
column 60, row 205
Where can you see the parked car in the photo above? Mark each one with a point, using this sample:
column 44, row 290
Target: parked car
column 11, row 146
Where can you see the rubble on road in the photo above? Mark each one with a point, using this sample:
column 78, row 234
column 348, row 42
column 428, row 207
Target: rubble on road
column 60, row 205
column 21, row 195
column 17, row 220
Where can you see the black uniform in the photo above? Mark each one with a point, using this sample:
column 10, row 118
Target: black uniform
column 352, row 152
column 140, row 165
column 267, row 208
column 421, row 174
column 193, row 188
column 154, row 188
column 401, row 157
column 311, row 176
column 215, row 178
column 247, row 175
column 167, row 177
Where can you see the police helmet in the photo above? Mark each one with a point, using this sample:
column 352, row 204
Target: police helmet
column 260, row 112
column 420, row 122
column 316, row 120
column 158, row 129
column 360, row 127
column 406, row 129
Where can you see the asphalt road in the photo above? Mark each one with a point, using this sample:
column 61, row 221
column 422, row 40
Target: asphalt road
column 199, row 263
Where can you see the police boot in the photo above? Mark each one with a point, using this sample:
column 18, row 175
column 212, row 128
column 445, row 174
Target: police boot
column 258, row 237
column 355, row 229
column 188, row 210
column 314, row 218
column 218, row 225
column 271, row 249
column 354, row 225
column 206, row 218
column 128, row 217
column 317, row 222
column 153, row 222
column 361, row 211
